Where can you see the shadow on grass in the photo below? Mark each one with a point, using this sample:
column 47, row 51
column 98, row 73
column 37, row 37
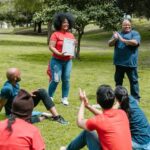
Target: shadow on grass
column 87, row 58
column 21, row 43
column 41, row 58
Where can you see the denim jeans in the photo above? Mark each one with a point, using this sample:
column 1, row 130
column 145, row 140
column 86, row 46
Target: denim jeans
column 60, row 71
column 85, row 138
column 137, row 146
column 132, row 76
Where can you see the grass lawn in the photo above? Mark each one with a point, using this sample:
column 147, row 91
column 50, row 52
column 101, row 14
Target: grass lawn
column 31, row 55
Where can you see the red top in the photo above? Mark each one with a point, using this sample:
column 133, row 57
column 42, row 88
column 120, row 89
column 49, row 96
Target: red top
column 24, row 136
column 113, row 129
column 59, row 36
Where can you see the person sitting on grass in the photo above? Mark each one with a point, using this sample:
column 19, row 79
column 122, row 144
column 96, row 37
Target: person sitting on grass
column 17, row 133
column 111, row 125
column 139, row 125
column 11, row 88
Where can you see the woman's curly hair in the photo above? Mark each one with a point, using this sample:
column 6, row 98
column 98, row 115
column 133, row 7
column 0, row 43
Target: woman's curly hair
column 59, row 19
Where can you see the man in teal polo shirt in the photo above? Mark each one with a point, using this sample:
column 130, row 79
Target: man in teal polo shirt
column 126, row 45
column 10, row 90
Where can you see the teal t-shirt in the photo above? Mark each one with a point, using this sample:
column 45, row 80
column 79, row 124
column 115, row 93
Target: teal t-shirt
column 9, row 92
column 139, row 125
column 125, row 55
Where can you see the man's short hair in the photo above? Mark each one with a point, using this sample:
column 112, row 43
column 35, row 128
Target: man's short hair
column 105, row 96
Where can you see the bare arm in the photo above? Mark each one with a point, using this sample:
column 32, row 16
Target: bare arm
column 131, row 42
column 113, row 40
column 93, row 110
column 52, row 45
column 88, row 106
column 81, row 122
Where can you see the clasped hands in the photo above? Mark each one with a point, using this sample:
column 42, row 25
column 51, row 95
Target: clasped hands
column 117, row 36
column 83, row 97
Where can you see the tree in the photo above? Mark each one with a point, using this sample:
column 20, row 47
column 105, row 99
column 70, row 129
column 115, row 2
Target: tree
column 140, row 8
column 104, row 13
column 27, row 8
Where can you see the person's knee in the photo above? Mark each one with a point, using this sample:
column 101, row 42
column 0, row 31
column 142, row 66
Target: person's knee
column 66, row 79
column 42, row 90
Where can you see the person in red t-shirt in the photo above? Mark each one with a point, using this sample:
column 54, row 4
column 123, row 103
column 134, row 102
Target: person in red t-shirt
column 17, row 133
column 61, row 63
column 111, row 125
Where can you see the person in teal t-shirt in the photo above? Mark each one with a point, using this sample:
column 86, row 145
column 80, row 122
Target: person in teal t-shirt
column 126, row 45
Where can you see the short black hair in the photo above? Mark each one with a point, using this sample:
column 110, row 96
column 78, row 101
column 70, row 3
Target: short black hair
column 60, row 17
column 105, row 96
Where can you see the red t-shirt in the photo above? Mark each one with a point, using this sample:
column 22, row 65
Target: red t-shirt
column 59, row 38
column 113, row 129
column 24, row 136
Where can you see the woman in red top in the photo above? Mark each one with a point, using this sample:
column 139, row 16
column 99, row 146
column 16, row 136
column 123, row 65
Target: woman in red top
column 61, row 64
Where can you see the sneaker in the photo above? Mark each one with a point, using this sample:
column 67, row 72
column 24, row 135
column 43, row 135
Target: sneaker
column 46, row 115
column 65, row 101
column 52, row 98
column 60, row 119
column 63, row 148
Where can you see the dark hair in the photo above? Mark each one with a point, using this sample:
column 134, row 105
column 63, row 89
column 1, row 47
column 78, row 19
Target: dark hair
column 22, row 107
column 122, row 97
column 105, row 96
column 12, row 119
column 59, row 19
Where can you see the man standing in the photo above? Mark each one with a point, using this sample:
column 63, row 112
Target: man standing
column 126, row 45
column 11, row 88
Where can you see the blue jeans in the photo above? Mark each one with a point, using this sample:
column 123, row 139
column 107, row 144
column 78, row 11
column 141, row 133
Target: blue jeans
column 60, row 71
column 137, row 146
column 85, row 138
column 133, row 79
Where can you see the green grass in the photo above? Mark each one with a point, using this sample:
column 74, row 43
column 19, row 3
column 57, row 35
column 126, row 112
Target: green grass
column 31, row 55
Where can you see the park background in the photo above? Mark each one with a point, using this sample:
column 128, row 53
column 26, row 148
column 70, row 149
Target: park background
column 26, row 48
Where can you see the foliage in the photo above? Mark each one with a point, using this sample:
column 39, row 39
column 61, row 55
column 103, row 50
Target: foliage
column 140, row 8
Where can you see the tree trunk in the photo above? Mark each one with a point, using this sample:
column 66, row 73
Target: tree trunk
column 49, row 32
column 80, row 33
column 39, row 27
column 35, row 26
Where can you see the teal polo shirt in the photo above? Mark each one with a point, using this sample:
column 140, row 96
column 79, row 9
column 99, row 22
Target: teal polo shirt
column 139, row 125
column 9, row 92
column 125, row 55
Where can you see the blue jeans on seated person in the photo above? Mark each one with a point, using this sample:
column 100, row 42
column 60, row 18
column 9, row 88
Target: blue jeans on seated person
column 137, row 146
column 90, row 139
column 60, row 71
column 85, row 138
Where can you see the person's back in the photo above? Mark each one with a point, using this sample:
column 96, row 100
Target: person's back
column 24, row 136
column 139, row 125
column 16, row 132
column 113, row 129
column 9, row 92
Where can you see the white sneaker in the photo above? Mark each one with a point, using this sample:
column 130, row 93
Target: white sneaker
column 63, row 148
column 65, row 101
column 52, row 98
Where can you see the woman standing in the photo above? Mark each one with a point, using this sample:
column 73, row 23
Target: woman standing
column 60, row 64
